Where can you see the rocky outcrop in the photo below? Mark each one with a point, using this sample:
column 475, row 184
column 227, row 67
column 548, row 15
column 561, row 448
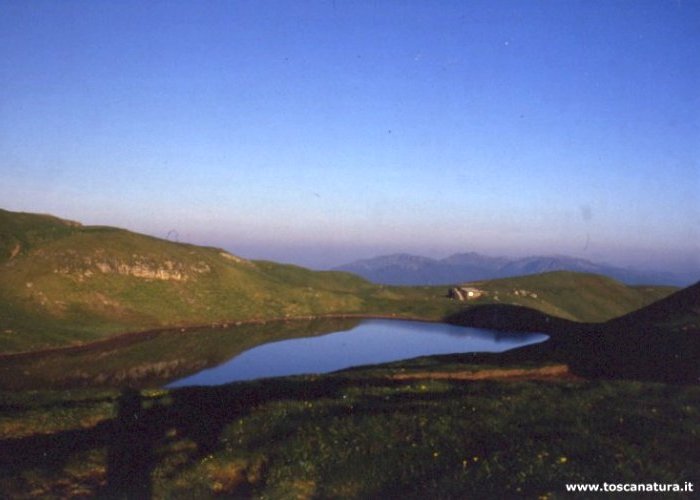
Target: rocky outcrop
column 230, row 257
column 138, row 266
column 140, row 270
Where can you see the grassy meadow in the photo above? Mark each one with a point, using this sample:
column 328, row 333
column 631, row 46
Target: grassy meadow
column 361, row 434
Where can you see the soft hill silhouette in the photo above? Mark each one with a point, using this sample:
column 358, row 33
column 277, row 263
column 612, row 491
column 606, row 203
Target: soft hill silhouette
column 679, row 311
column 658, row 342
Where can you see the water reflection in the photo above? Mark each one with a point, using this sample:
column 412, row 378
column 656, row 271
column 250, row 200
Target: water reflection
column 151, row 359
column 371, row 342
column 154, row 359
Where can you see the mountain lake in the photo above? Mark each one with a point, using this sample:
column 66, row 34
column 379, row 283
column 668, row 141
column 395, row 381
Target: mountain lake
column 372, row 341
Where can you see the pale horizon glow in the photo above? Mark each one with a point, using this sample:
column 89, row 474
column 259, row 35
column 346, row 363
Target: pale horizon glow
column 322, row 132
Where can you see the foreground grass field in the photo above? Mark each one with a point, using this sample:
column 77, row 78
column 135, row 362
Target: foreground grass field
column 359, row 434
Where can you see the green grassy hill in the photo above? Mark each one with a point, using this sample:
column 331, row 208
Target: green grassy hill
column 569, row 295
column 20, row 232
column 62, row 283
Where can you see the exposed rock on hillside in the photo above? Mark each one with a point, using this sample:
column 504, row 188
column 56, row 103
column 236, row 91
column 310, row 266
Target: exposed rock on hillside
column 231, row 257
column 138, row 266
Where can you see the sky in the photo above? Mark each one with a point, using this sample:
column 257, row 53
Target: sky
column 319, row 132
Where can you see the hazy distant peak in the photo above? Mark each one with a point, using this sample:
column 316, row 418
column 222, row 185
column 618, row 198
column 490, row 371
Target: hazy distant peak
column 398, row 260
column 406, row 269
column 474, row 258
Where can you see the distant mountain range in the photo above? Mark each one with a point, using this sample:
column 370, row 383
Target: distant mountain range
column 405, row 269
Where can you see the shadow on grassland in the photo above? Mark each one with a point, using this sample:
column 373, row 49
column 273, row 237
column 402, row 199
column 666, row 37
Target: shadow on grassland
column 140, row 434
column 645, row 345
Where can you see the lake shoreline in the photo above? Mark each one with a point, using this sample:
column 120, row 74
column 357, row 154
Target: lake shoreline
column 350, row 344
column 127, row 338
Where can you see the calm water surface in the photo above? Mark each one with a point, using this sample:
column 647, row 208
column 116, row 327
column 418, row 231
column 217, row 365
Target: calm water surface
column 371, row 342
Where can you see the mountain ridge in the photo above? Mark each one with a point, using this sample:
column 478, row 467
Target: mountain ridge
column 414, row 270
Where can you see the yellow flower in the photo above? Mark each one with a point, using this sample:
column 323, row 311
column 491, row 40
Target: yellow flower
column 563, row 460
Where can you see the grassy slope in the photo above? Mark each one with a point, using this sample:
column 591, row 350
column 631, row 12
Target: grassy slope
column 62, row 283
column 20, row 232
column 569, row 295
column 54, row 290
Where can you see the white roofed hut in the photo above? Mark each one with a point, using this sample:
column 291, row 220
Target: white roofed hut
column 465, row 293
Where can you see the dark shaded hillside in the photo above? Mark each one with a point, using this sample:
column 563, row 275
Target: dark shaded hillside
column 659, row 342
column 679, row 311
column 512, row 318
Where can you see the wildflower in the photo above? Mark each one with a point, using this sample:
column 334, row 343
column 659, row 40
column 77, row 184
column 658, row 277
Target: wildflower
column 563, row 460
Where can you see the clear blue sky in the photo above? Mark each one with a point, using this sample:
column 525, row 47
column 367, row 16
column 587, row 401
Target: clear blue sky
column 317, row 132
